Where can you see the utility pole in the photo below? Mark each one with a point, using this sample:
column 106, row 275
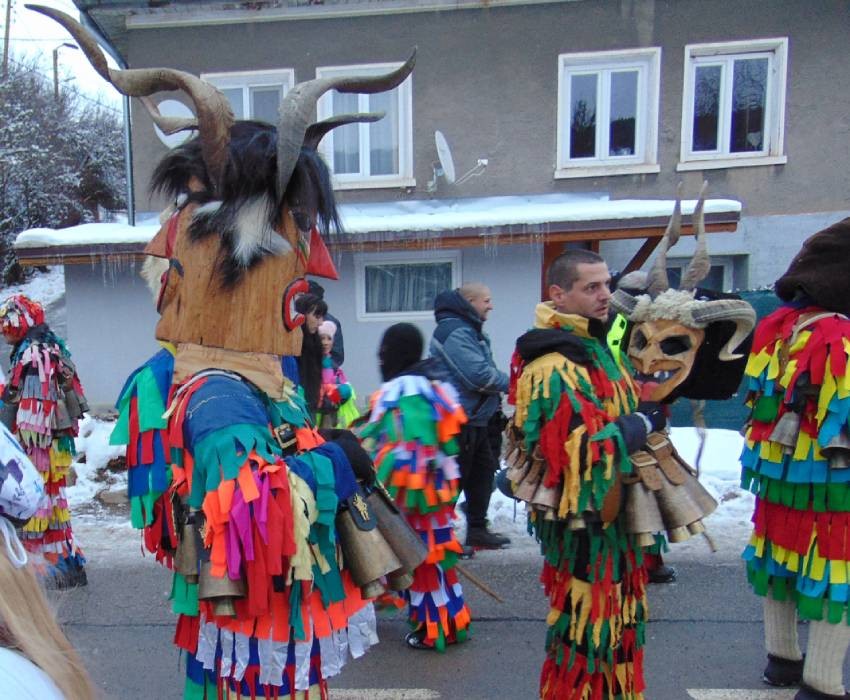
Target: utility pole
column 7, row 29
column 56, row 68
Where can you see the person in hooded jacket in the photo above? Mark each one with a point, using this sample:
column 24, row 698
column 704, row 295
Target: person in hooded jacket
column 462, row 356
column 412, row 436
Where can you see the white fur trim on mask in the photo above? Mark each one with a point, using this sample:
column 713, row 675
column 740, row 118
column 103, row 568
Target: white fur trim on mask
column 670, row 305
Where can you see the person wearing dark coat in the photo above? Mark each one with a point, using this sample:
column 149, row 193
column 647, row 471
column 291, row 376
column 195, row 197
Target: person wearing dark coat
column 462, row 356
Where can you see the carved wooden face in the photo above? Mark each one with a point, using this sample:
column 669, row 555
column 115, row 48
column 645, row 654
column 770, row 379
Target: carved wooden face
column 257, row 313
column 663, row 353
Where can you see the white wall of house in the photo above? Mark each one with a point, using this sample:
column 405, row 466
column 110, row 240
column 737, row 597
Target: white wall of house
column 110, row 326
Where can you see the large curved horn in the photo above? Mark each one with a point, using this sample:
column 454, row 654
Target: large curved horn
column 623, row 303
column 658, row 281
column 214, row 114
column 736, row 310
column 316, row 132
column 700, row 264
column 168, row 125
column 298, row 105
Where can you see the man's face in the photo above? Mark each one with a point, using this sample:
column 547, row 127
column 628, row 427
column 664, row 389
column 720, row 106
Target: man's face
column 483, row 303
column 590, row 293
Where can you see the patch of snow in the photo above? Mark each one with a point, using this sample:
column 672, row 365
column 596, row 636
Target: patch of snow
column 85, row 234
column 93, row 442
column 46, row 288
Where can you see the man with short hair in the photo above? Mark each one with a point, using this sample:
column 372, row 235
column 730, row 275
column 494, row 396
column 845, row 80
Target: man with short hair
column 462, row 356
column 576, row 420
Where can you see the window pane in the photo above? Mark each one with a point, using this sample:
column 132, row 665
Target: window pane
column 583, row 116
column 713, row 280
column 749, row 95
column 405, row 286
column 346, row 138
column 234, row 97
column 265, row 102
column 624, row 85
column 383, row 134
column 706, row 107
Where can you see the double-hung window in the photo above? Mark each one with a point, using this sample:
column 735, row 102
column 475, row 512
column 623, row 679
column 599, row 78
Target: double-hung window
column 254, row 94
column 608, row 113
column 733, row 104
column 369, row 154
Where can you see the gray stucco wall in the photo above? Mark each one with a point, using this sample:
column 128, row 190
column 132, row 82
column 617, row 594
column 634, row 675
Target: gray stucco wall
column 488, row 79
column 110, row 326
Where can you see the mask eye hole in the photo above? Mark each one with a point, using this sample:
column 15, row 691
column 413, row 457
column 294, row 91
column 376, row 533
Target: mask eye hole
column 302, row 220
column 675, row 345
column 638, row 340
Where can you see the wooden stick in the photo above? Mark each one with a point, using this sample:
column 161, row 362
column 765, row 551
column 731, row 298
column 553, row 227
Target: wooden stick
column 478, row 582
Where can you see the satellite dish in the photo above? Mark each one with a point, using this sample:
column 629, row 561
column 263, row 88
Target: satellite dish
column 444, row 153
column 174, row 108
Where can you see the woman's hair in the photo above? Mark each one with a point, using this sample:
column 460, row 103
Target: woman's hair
column 28, row 625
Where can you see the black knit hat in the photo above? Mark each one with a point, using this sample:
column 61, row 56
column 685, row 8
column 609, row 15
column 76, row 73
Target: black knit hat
column 401, row 346
column 821, row 270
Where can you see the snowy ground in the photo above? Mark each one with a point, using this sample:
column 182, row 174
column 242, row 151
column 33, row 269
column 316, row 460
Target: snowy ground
column 104, row 530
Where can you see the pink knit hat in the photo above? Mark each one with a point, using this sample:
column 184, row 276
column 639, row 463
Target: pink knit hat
column 327, row 328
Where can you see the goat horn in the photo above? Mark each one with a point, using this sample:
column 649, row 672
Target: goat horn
column 658, row 281
column 700, row 264
column 298, row 105
column 168, row 125
column 316, row 132
column 623, row 303
column 737, row 310
column 214, row 114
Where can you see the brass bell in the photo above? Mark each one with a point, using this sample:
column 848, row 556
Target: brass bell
column 366, row 553
column 645, row 539
column 642, row 512
column 786, row 431
column 546, row 497
column 61, row 417
column 837, row 451
column 405, row 542
column 72, row 403
column 221, row 590
column 525, row 489
column 678, row 534
column 699, row 495
column 399, row 580
column 678, row 509
column 696, row 528
column 186, row 557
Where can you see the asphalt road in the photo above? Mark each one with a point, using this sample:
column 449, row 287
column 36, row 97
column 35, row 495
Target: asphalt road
column 705, row 634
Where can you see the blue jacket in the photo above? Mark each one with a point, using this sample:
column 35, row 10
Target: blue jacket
column 462, row 356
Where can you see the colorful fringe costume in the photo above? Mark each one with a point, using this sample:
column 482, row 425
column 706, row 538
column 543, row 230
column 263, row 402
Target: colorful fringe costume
column 799, row 375
column 411, row 435
column 216, row 457
column 44, row 402
column 337, row 400
column 593, row 572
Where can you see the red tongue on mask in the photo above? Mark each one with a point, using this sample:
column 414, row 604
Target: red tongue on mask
column 319, row 263
column 646, row 390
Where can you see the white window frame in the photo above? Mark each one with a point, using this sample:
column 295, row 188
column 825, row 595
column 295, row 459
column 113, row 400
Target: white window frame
column 727, row 262
column 725, row 53
column 284, row 77
column 363, row 260
column 362, row 180
column 648, row 63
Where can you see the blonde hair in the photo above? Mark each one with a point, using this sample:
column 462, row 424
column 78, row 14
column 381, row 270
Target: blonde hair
column 28, row 625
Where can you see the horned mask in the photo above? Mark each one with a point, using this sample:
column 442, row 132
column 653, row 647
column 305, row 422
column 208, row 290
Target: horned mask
column 686, row 341
column 252, row 203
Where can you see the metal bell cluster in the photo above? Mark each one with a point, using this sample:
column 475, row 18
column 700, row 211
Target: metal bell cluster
column 526, row 476
column 378, row 544
column 664, row 495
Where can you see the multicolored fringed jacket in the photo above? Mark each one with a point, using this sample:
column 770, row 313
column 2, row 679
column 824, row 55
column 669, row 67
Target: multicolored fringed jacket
column 411, row 436
column 796, row 460
column 238, row 494
column 567, row 400
column 44, row 400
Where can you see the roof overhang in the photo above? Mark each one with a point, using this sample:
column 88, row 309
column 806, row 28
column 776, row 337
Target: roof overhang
column 420, row 224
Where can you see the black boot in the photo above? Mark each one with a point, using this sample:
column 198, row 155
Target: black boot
column 782, row 672
column 482, row 538
column 662, row 574
column 808, row 693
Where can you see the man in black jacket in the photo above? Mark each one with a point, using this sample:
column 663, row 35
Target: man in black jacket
column 462, row 356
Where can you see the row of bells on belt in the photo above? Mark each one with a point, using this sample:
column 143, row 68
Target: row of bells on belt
column 222, row 591
column 67, row 410
column 677, row 509
column 786, row 432
column 390, row 551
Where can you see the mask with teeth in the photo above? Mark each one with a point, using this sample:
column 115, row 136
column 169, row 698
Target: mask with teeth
column 663, row 353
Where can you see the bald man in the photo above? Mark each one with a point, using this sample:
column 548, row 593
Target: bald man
column 462, row 356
